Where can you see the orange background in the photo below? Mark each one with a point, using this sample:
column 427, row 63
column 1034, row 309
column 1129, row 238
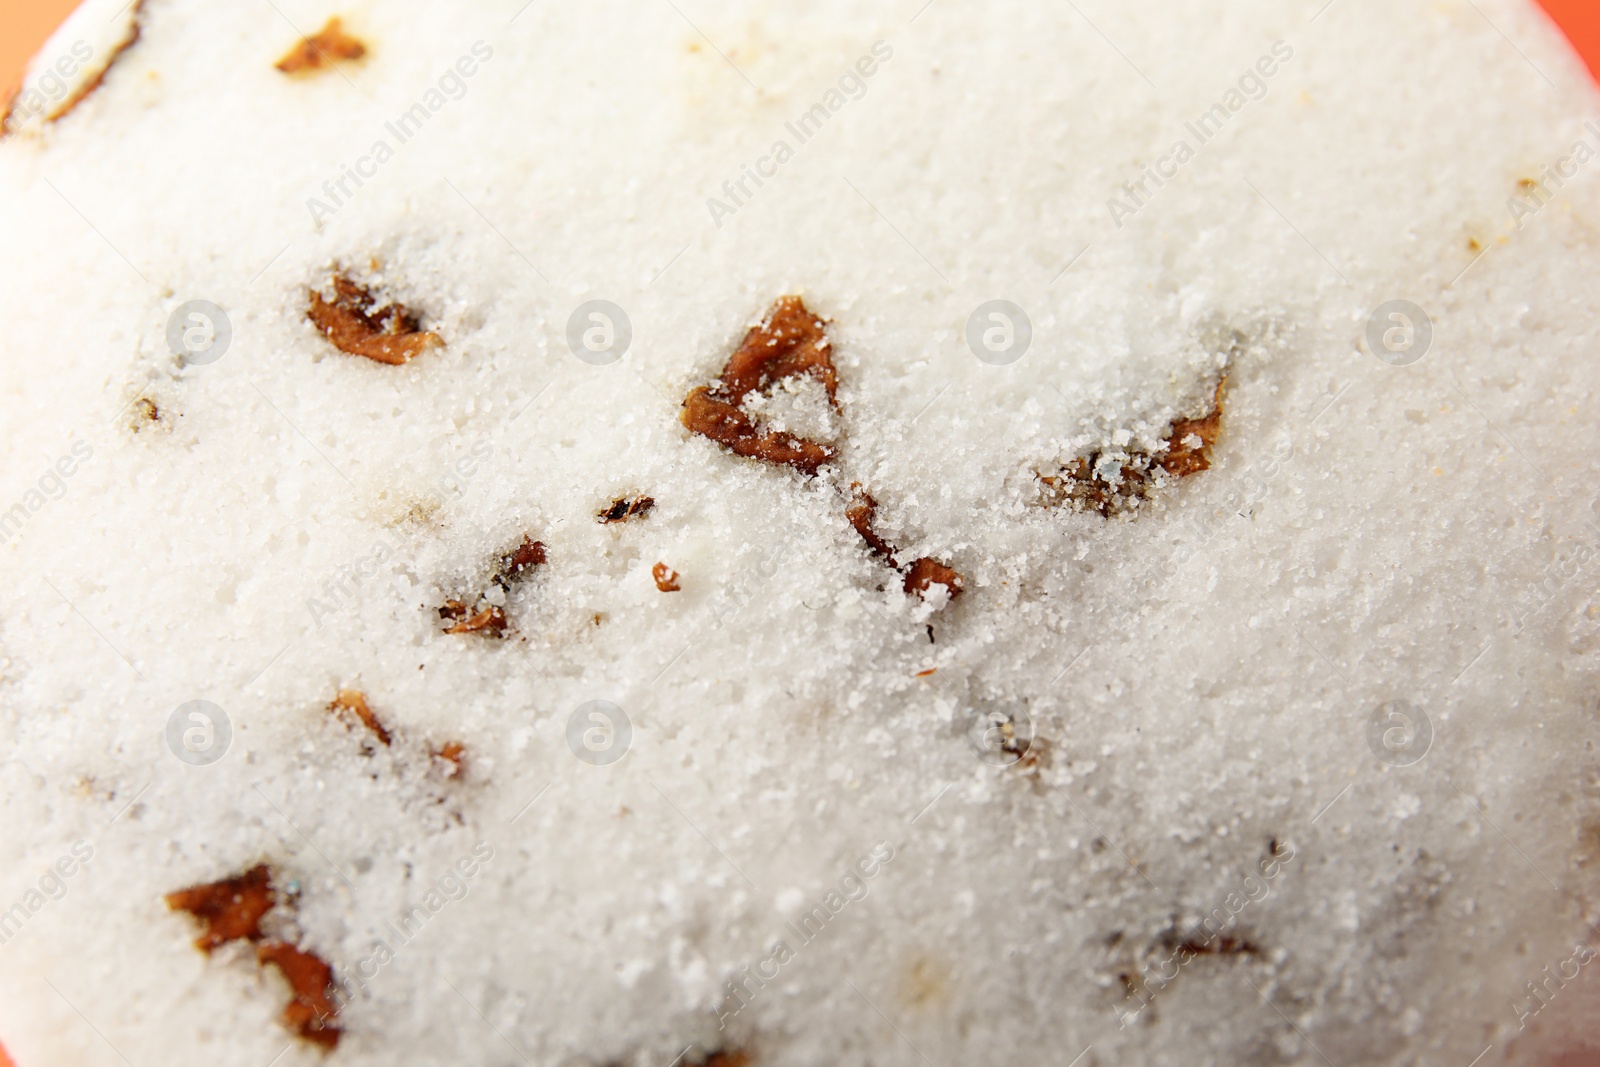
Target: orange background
column 24, row 25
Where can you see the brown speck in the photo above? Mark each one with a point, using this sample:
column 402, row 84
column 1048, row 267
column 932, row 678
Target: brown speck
column 309, row 1012
column 327, row 45
column 453, row 753
column 925, row 983
column 622, row 509
column 491, row 620
column 389, row 335
column 926, row 673
column 145, row 411
column 354, row 700
column 666, row 578
column 1033, row 753
column 728, row 1058
column 598, row 618
column 926, row 572
column 1527, row 183
column 230, row 909
column 789, row 343
column 1473, row 245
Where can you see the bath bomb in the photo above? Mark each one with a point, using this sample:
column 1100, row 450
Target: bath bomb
column 824, row 534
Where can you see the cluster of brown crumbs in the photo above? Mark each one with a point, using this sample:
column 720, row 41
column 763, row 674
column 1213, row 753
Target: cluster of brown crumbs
column 232, row 910
column 322, row 49
column 666, row 578
column 922, row 574
column 484, row 617
column 143, row 412
column 354, row 700
column 622, row 509
column 791, row 342
column 391, row 334
column 1220, row 946
column 1089, row 484
column 450, row 758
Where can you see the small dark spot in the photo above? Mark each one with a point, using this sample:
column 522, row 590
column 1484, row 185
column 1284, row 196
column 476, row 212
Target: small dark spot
column 622, row 509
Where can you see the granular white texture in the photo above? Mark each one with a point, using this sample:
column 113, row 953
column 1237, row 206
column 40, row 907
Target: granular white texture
column 1313, row 776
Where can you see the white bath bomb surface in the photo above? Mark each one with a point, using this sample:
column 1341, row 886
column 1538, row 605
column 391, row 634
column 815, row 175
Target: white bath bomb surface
column 1207, row 674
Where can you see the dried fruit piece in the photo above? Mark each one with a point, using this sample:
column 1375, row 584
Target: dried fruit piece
column 1189, row 444
column 622, row 509
column 863, row 510
column 730, row 427
column 310, row 1011
column 666, row 578
column 321, row 50
column 355, row 700
column 525, row 557
column 925, row 573
column 790, row 342
column 491, row 620
column 389, row 335
column 230, row 909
